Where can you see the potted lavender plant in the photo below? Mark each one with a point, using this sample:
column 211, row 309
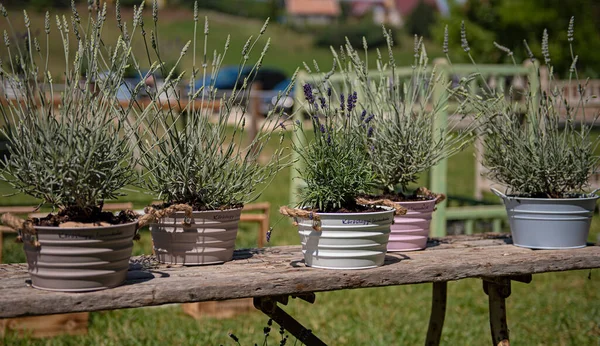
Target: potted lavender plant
column 405, row 142
column 72, row 157
column 203, row 170
column 338, row 230
column 544, row 156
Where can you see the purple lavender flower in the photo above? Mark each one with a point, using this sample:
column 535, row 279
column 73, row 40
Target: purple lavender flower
column 269, row 234
column 372, row 150
column 369, row 118
column 308, row 93
column 297, row 122
column 370, row 132
column 329, row 92
column 363, row 115
column 322, row 128
column 323, row 103
column 329, row 139
column 343, row 103
column 352, row 102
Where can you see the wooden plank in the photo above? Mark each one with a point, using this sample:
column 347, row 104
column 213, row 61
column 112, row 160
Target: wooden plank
column 46, row 326
column 281, row 271
column 219, row 310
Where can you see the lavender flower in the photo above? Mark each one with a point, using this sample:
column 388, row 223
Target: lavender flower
column 322, row 128
column 363, row 115
column 352, row 99
column 329, row 92
column 329, row 139
column 343, row 103
column 269, row 234
column 308, row 93
column 370, row 132
column 282, row 125
column 297, row 122
column 323, row 103
column 369, row 118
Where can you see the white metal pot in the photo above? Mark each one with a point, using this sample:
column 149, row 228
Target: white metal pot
column 346, row 240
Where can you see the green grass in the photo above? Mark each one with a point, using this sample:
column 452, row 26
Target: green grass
column 555, row 309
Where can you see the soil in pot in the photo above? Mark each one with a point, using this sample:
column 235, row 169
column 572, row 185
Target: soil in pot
column 72, row 256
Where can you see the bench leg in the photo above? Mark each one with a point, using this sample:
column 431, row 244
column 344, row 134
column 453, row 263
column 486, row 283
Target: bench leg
column 268, row 305
column 438, row 313
column 498, row 289
column 497, row 294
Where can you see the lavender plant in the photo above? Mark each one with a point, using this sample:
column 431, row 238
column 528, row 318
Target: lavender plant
column 336, row 166
column 546, row 150
column 205, row 162
column 78, row 154
column 405, row 107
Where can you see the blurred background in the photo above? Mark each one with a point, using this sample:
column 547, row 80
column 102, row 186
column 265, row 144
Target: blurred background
column 556, row 309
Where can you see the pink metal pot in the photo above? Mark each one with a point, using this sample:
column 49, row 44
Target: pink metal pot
column 409, row 232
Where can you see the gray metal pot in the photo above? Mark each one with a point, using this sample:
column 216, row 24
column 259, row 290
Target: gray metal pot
column 549, row 223
column 210, row 239
column 346, row 240
column 80, row 259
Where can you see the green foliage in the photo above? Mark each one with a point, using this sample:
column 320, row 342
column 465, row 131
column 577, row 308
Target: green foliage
column 336, row 165
column 244, row 8
column 81, row 153
column 203, row 163
column 405, row 143
column 539, row 153
column 335, row 36
column 421, row 20
column 511, row 21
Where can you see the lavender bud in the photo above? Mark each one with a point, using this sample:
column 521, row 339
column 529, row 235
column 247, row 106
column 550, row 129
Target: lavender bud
column 322, row 128
column 463, row 37
column 233, row 337
column 528, row 50
column 370, row 132
column 269, row 234
column 342, row 103
column 329, row 139
column 329, row 92
column 297, row 122
column 155, row 11
column 323, row 103
column 282, row 125
column 571, row 30
column 3, row 10
column 308, row 93
column 545, row 50
column 445, row 45
column 47, row 23
column 369, row 118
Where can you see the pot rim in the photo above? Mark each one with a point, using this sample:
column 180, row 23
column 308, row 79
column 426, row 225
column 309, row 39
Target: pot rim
column 584, row 197
column 51, row 228
column 206, row 211
column 387, row 210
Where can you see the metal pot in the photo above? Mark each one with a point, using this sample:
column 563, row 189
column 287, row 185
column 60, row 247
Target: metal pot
column 209, row 239
column 80, row 259
column 549, row 223
column 410, row 231
column 346, row 240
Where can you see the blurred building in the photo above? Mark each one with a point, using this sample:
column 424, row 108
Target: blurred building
column 319, row 12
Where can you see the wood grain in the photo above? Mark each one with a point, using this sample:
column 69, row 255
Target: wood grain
column 281, row 271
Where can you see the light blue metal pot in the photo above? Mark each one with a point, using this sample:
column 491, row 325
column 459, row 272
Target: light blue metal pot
column 549, row 223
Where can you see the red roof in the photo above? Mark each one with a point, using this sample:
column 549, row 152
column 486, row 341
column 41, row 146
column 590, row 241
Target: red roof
column 404, row 7
column 313, row 7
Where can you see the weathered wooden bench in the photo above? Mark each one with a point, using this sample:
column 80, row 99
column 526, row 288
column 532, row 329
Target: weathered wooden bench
column 272, row 275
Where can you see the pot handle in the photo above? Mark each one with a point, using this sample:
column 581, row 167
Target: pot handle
column 497, row 192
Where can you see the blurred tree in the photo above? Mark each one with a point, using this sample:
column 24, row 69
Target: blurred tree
column 421, row 19
column 509, row 22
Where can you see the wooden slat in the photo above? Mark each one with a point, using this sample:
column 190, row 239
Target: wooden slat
column 46, row 326
column 281, row 271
